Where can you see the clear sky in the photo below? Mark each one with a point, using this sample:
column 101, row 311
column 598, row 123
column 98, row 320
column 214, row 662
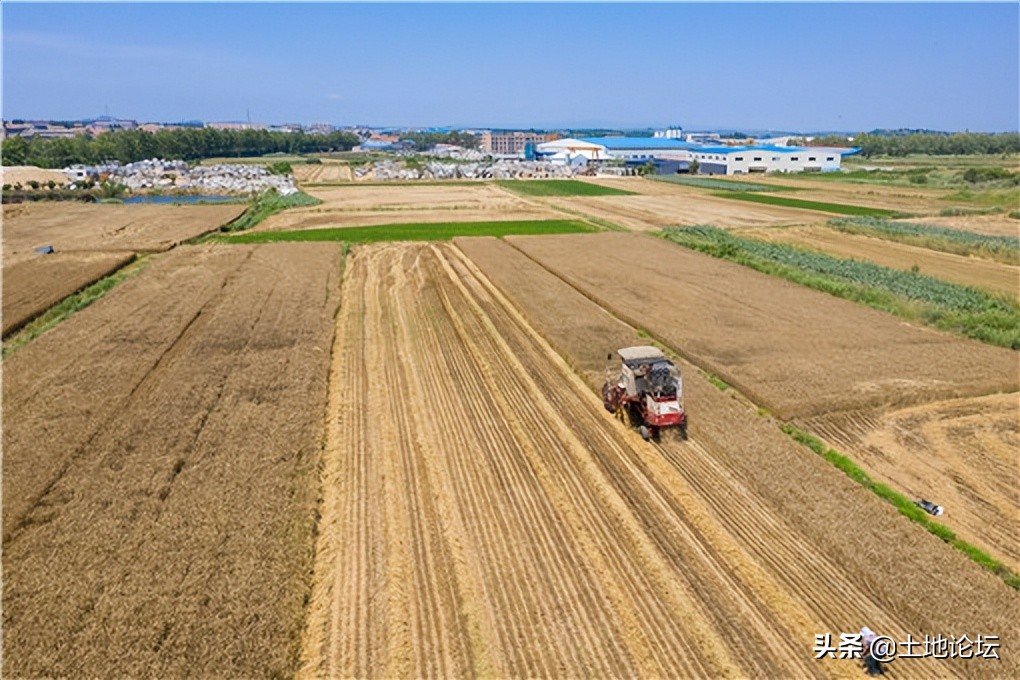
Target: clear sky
column 802, row 67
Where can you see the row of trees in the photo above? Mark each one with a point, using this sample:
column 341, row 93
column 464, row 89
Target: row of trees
column 128, row 146
column 423, row 141
column 930, row 143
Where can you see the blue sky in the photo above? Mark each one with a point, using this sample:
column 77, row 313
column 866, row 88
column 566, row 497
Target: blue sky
column 780, row 66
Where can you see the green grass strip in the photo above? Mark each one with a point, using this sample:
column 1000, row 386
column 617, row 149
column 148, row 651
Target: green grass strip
column 71, row 304
column 442, row 231
column 559, row 187
column 904, row 505
column 838, row 208
column 977, row 314
column 934, row 237
column 718, row 183
column 266, row 204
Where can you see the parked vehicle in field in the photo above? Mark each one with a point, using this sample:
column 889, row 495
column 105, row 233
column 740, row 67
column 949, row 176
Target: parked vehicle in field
column 648, row 394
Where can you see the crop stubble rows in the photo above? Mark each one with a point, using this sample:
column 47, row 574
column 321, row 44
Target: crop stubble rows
column 159, row 469
column 483, row 515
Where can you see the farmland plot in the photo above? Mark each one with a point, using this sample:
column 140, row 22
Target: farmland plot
column 32, row 286
column 159, row 484
column 80, row 226
column 794, row 350
column 484, row 516
column 352, row 206
column 322, row 173
column 968, row 271
column 960, row 454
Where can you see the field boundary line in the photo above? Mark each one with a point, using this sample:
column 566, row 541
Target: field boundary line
column 840, row 461
column 51, row 317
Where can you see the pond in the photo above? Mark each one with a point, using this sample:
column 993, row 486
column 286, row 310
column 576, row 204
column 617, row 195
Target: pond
column 191, row 198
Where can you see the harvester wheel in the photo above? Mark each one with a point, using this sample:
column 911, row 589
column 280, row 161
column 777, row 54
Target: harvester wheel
column 683, row 432
column 646, row 434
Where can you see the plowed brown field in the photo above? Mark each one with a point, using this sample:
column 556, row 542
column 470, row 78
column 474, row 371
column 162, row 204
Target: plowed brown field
column 969, row 271
column 159, row 470
column 796, row 351
column 354, row 206
column 961, row 454
column 33, row 286
column 484, row 516
column 80, row 226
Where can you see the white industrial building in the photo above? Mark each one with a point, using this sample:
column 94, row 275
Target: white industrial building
column 568, row 148
column 739, row 160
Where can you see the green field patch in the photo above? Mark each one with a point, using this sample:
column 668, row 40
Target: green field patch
column 441, row 231
column 266, row 204
column 559, row 187
column 838, row 208
column 934, row 237
column 991, row 318
column 717, row 183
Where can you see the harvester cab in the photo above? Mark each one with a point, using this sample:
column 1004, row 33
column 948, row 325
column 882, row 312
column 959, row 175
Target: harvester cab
column 647, row 393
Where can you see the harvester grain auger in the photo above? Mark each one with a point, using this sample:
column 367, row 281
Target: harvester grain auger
column 647, row 393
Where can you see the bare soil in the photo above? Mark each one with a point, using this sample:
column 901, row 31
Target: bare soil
column 32, row 286
column 23, row 174
column 325, row 172
column 159, row 470
column 968, row 271
column 69, row 226
column 794, row 350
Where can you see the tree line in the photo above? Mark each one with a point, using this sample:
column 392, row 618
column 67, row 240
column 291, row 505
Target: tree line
column 929, row 143
column 128, row 146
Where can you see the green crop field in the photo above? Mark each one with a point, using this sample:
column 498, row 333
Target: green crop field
column 715, row 183
column 559, row 187
column 934, row 237
column 838, row 208
column 974, row 313
column 442, row 231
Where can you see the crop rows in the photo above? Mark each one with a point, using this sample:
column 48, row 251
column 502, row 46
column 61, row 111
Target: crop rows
column 959, row 241
column 415, row 232
column 945, row 305
column 560, row 187
column 838, row 208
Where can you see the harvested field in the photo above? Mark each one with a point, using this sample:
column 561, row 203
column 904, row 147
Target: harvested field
column 23, row 174
column 79, row 226
column 794, row 350
column 960, row 454
column 159, row 470
column 686, row 206
column 33, row 286
column 969, row 271
column 996, row 225
column 354, row 206
column 322, row 173
column 505, row 525
column 920, row 200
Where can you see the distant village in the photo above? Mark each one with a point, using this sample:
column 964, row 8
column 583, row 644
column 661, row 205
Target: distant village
column 664, row 151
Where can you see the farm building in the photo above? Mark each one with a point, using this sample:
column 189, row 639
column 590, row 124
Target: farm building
column 738, row 160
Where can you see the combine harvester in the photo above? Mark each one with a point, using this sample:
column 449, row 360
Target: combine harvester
column 648, row 393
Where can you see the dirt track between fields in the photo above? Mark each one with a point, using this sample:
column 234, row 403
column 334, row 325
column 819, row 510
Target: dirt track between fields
column 484, row 516
column 72, row 227
column 968, row 271
column 32, row 286
column 159, row 470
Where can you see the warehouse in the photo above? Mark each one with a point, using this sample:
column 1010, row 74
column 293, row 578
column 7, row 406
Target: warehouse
column 572, row 147
column 643, row 148
column 739, row 160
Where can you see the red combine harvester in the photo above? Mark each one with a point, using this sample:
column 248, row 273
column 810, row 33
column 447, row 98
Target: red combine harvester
column 648, row 393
